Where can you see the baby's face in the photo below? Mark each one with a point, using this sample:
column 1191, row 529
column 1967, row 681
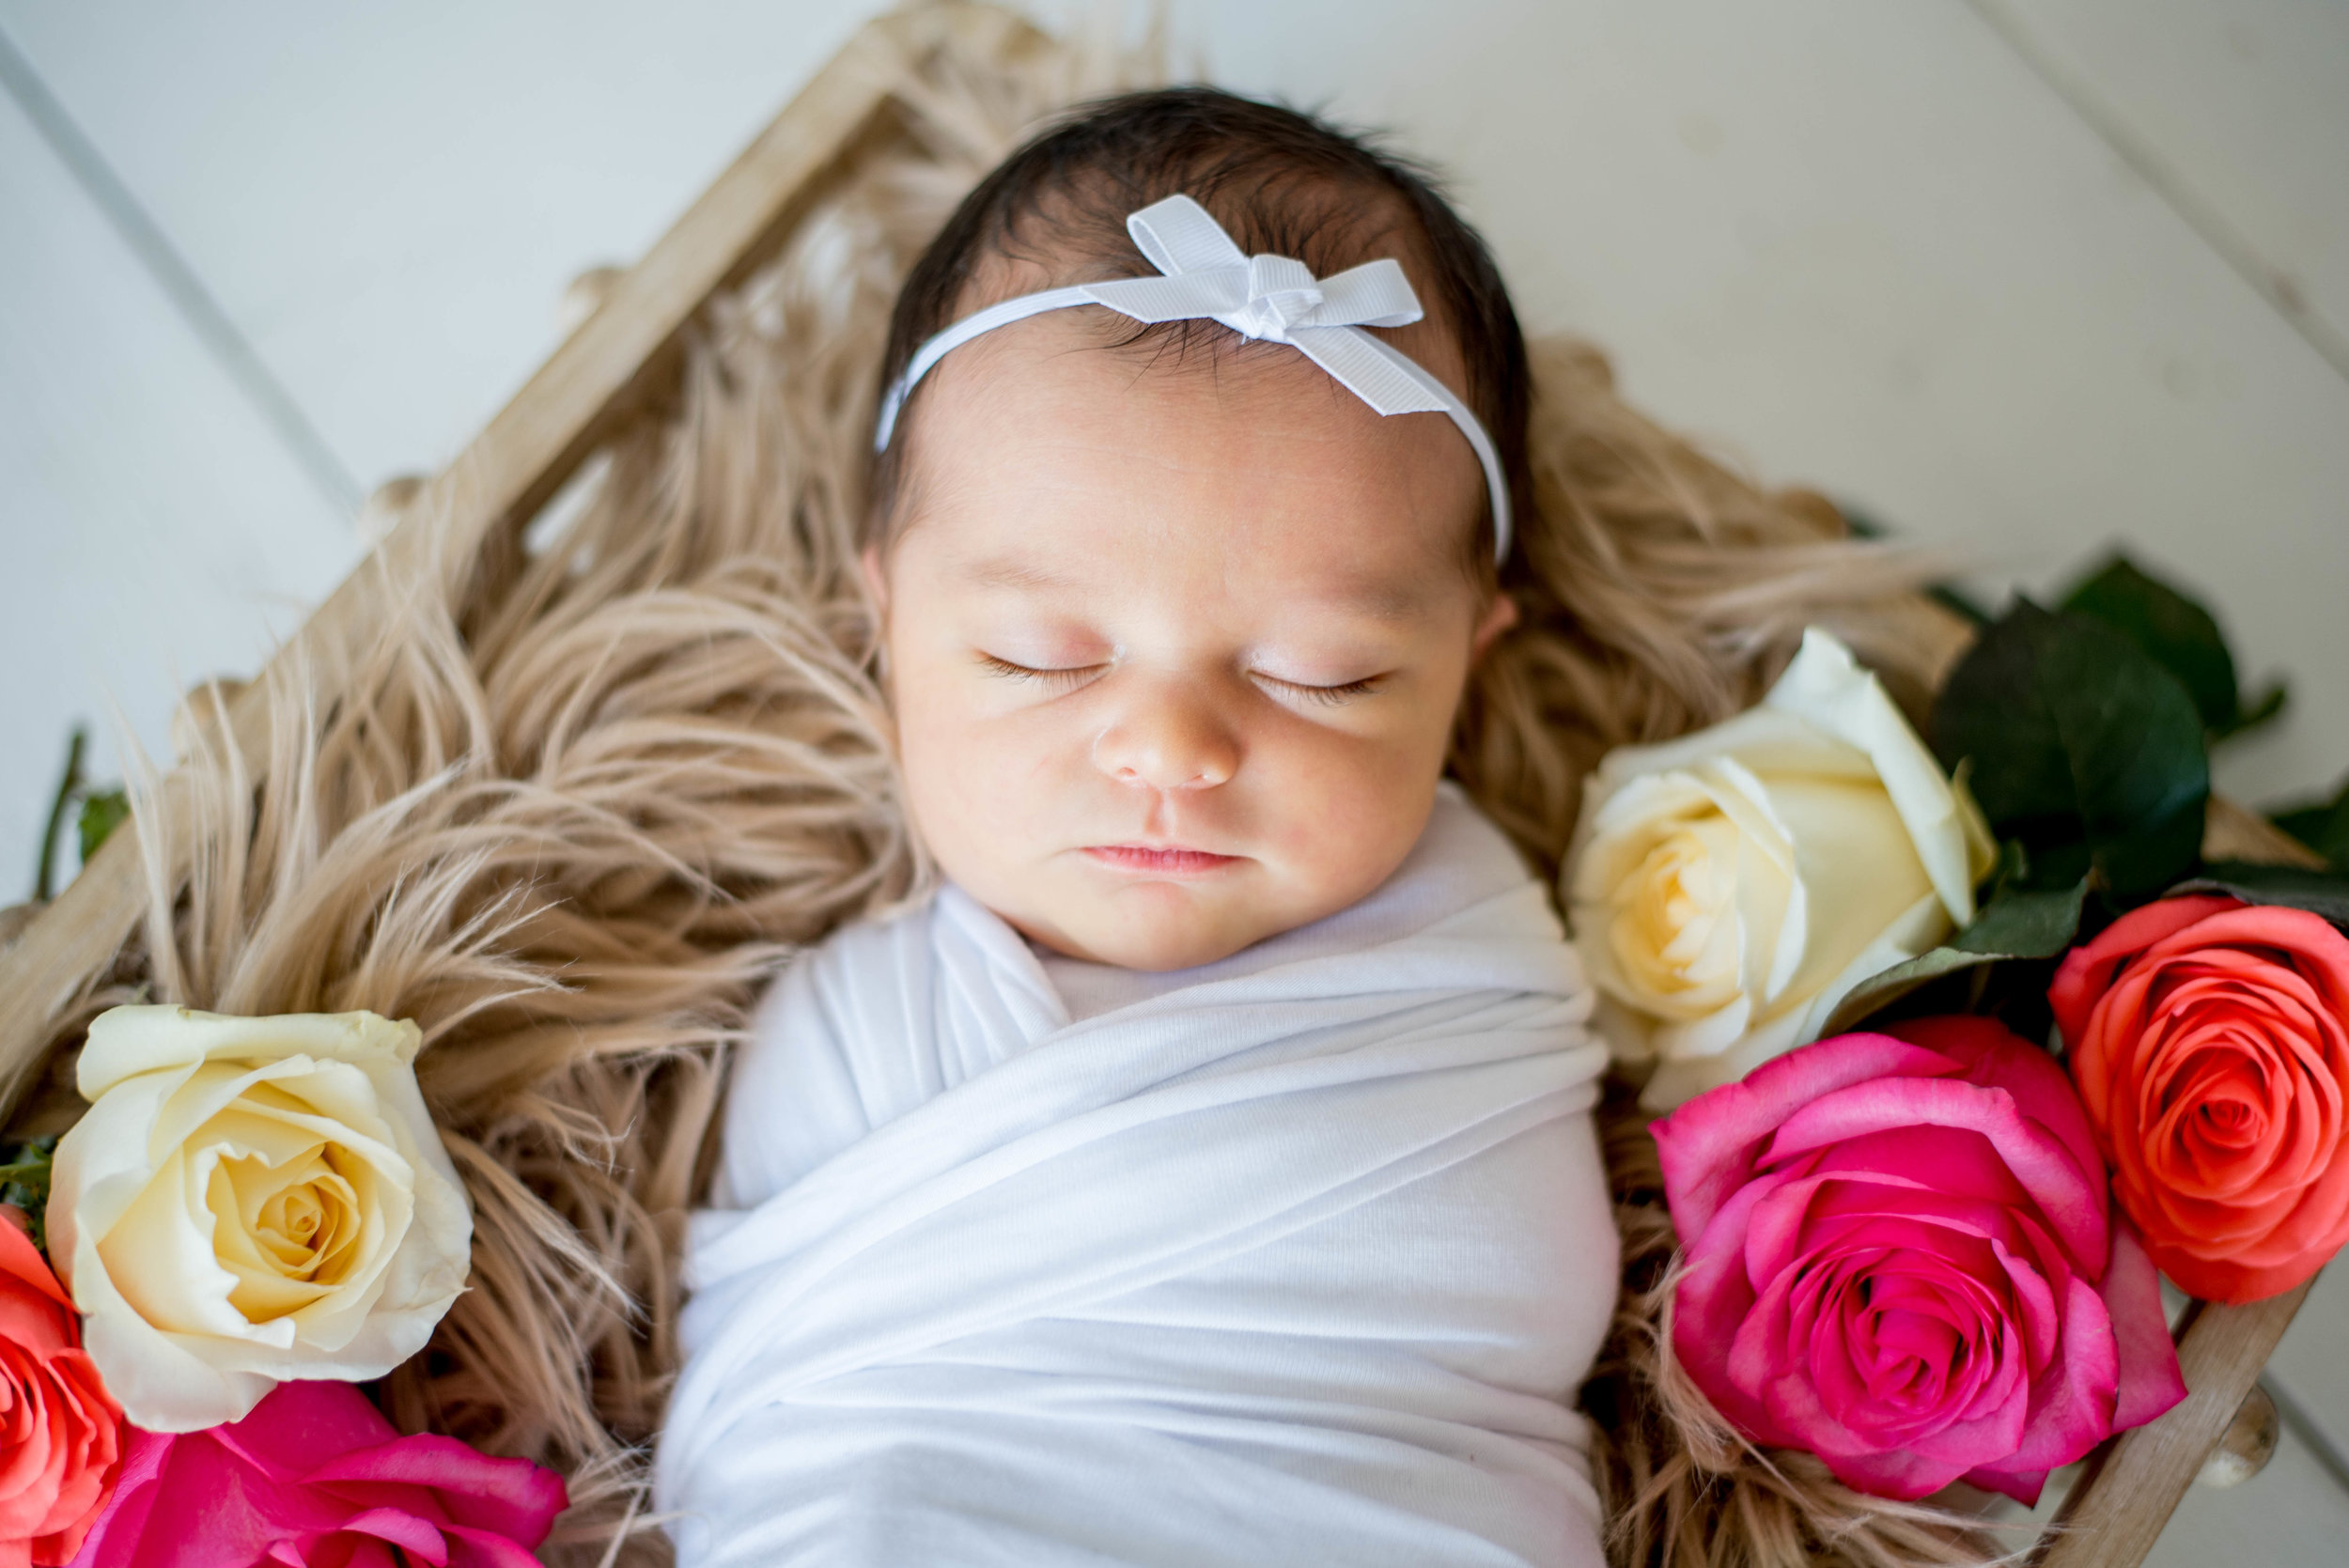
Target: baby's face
column 1174, row 652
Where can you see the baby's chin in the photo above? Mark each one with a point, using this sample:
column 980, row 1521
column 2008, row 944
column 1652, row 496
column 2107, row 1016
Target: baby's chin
column 1154, row 928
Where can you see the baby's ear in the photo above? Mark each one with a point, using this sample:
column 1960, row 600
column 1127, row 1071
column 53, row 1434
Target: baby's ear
column 1499, row 617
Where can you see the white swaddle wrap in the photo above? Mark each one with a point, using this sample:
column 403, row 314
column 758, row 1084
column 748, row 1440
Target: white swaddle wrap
column 1299, row 1260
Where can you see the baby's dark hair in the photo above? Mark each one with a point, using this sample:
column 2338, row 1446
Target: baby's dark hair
column 1279, row 181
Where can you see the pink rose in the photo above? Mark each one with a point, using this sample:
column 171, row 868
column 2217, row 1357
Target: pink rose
column 316, row 1478
column 60, row 1432
column 1899, row 1257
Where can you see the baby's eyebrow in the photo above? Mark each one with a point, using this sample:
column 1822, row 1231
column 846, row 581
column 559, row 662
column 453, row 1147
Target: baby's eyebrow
column 1382, row 600
column 1007, row 571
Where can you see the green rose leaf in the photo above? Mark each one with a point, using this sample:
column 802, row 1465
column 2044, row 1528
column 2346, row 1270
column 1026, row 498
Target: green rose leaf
column 2181, row 636
column 25, row 1181
column 2024, row 924
column 2323, row 826
column 2271, row 704
column 102, row 812
column 2082, row 746
column 2321, row 893
column 2017, row 923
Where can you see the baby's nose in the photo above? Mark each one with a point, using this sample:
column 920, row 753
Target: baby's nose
column 1167, row 741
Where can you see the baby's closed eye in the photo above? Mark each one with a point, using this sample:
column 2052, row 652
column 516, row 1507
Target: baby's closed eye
column 1070, row 676
column 1343, row 691
column 1065, row 678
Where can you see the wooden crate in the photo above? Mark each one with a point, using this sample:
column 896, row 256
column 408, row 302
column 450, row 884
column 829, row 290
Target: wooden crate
column 627, row 351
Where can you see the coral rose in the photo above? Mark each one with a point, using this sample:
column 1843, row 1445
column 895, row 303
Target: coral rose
column 1727, row 889
column 249, row 1200
column 1899, row 1257
column 2210, row 1040
column 59, row 1433
column 316, row 1478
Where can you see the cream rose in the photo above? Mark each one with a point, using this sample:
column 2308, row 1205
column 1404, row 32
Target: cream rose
column 249, row 1200
column 1727, row 889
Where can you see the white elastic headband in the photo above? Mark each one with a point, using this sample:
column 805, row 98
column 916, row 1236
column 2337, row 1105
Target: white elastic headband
column 1271, row 297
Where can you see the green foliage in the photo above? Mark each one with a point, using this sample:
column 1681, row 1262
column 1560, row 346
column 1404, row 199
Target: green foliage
column 2025, row 924
column 102, row 812
column 2181, row 636
column 2318, row 892
column 2016, row 924
column 2323, row 826
column 95, row 812
column 69, row 786
column 2084, row 734
column 2083, row 748
column 25, row 1181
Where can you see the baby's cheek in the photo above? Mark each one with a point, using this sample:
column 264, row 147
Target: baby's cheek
column 1341, row 812
column 982, row 784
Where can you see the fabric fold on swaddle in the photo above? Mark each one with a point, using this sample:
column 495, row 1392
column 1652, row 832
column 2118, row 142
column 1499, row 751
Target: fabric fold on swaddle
column 1299, row 1259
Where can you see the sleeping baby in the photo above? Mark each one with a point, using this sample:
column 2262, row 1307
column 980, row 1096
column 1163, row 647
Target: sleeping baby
column 1206, row 1175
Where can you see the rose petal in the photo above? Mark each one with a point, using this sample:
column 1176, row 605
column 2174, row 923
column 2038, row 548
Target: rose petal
column 113, row 1539
column 2024, row 1485
column 1993, row 1057
column 1856, row 870
column 1826, row 687
column 398, row 1528
column 2075, row 1410
column 1711, row 1144
column 2087, row 972
column 510, row 1496
column 316, row 1475
column 1711, row 1301
column 1899, row 1473
column 2073, row 1202
column 476, row 1549
column 2151, row 1380
column 126, row 1041
column 21, row 1261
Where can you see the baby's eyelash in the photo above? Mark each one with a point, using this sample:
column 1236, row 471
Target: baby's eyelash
column 1005, row 668
column 1330, row 695
column 1327, row 695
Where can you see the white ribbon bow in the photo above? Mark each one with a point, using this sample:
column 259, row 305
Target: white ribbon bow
column 1275, row 299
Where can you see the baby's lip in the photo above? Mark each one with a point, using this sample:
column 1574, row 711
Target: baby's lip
column 1159, row 859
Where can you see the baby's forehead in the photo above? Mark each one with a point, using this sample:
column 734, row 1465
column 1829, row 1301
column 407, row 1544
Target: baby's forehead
column 1044, row 443
column 1063, row 477
column 1071, row 604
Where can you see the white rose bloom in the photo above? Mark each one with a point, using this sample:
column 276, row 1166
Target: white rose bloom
column 1729, row 888
column 249, row 1200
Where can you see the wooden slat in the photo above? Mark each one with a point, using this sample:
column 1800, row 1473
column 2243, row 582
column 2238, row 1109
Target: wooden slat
column 518, row 461
column 2231, row 833
column 2119, row 1506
